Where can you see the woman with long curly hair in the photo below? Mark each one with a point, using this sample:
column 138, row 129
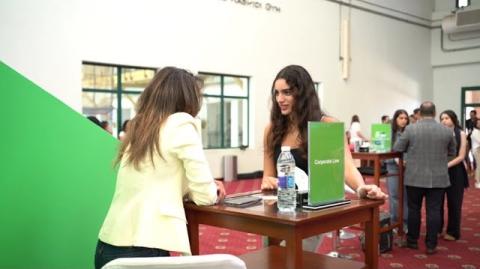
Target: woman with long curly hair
column 294, row 103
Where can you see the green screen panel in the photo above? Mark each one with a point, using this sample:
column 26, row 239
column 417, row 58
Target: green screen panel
column 57, row 179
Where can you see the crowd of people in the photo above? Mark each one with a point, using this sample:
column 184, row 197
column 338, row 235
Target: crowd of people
column 161, row 161
column 437, row 165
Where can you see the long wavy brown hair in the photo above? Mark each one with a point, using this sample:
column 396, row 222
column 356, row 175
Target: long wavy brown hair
column 305, row 108
column 171, row 90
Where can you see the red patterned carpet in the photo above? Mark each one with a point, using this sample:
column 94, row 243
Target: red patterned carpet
column 462, row 254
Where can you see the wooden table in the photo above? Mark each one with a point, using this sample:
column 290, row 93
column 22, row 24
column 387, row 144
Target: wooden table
column 265, row 219
column 377, row 159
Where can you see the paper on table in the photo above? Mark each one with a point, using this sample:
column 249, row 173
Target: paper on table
column 301, row 179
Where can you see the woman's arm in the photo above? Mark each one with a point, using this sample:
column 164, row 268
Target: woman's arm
column 461, row 152
column 269, row 180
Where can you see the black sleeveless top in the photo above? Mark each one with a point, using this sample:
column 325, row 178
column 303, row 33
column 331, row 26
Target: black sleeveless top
column 300, row 161
column 457, row 172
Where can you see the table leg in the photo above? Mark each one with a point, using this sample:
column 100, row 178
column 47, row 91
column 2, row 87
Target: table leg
column 193, row 235
column 294, row 251
column 372, row 231
column 376, row 171
column 401, row 197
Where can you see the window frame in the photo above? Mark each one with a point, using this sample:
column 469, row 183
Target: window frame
column 119, row 89
column 222, row 98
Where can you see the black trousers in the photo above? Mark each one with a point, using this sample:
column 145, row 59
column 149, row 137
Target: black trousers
column 433, row 202
column 106, row 252
column 454, row 195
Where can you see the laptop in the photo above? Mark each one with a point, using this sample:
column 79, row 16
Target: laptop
column 326, row 165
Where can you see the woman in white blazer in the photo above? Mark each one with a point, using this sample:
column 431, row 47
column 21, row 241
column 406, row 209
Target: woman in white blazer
column 161, row 162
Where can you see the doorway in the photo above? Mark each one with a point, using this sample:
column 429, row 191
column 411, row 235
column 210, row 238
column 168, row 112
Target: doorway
column 470, row 101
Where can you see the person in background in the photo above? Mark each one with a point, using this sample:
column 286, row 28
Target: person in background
column 475, row 135
column 385, row 119
column 161, row 162
column 429, row 145
column 123, row 131
column 470, row 123
column 458, row 178
column 356, row 131
column 416, row 114
column 412, row 119
column 95, row 120
column 294, row 103
column 469, row 126
column 399, row 122
column 106, row 126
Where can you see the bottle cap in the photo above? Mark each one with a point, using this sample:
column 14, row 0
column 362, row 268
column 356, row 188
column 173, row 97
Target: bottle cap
column 285, row 148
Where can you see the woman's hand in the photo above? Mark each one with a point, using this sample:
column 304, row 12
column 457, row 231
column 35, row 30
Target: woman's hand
column 269, row 183
column 220, row 191
column 371, row 191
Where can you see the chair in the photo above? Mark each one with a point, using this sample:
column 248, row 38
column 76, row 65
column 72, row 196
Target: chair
column 217, row 261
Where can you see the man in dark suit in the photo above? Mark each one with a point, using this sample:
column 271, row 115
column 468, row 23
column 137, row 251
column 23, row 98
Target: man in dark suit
column 428, row 145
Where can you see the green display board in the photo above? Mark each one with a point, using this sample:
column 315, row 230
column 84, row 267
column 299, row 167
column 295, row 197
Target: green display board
column 381, row 137
column 57, row 179
column 326, row 162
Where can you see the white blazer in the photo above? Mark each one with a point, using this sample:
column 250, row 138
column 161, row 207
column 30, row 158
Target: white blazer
column 147, row 207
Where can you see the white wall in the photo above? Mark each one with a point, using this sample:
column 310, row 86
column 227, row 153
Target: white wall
column 452, row 70
column 390, row 62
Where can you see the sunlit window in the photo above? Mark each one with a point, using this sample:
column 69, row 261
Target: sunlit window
column 110, row 92
column 463, row 3
column 224, row 112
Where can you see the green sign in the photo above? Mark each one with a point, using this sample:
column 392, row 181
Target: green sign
column 57, row 179
column 326, row 162
column 381, row 138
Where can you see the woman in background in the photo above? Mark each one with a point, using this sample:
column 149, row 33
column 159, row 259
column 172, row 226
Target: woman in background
column 161, row 161
column 399, row 122
column 356, row 131
column 458, row 178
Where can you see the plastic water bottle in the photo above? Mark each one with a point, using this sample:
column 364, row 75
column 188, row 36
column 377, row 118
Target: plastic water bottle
column 287, row 195
column 383, row 142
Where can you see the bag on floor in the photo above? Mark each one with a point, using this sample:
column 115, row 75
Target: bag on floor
column 386, row 238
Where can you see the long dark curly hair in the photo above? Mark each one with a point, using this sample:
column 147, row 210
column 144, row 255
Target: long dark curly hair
column 305, row 108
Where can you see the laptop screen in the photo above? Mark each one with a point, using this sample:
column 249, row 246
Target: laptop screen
column 325, row 162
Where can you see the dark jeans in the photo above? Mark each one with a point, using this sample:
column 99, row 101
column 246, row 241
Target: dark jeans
column 433, row 203
column 106, row 252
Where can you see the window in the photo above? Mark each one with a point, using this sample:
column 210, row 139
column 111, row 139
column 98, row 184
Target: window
column 470, row 101
column 224, row 112
column 110, row 92
column 463, row 3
